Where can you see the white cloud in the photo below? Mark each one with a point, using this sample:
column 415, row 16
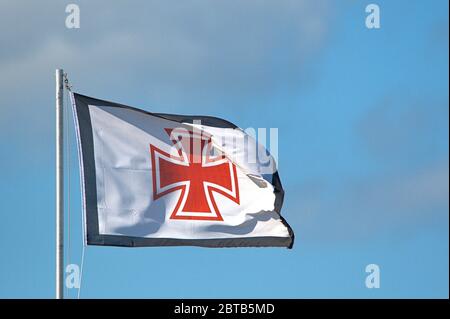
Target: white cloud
column 198, row 46
column 175, row 53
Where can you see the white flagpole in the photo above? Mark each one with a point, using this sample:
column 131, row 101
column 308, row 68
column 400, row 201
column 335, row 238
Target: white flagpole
column 59, row 186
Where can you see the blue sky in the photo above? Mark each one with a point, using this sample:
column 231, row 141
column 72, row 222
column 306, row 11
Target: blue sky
column 363, row 150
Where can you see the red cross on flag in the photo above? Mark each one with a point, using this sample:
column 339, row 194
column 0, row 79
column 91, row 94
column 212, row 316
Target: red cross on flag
column 152, row 179
column 196, row 176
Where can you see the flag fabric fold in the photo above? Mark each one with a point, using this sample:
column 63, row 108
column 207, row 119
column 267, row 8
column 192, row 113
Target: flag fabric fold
column 153, row 179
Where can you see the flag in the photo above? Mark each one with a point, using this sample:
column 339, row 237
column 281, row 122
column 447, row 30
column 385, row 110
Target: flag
column 153, row 179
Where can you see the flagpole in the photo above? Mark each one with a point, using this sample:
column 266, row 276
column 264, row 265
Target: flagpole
column 59, row 186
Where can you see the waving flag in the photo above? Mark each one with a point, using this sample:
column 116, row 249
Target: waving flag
column 151, row 179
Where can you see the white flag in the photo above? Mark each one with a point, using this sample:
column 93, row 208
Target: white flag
column 153, row 179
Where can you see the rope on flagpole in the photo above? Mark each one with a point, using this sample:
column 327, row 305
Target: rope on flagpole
column 81, row 268
column 68, row 87
column 83, row 243
column 68, row 155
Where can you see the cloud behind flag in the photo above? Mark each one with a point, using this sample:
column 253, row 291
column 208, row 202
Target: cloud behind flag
column 151, row 179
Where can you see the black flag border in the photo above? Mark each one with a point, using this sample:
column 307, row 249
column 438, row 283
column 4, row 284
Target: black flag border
column 85, row 144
